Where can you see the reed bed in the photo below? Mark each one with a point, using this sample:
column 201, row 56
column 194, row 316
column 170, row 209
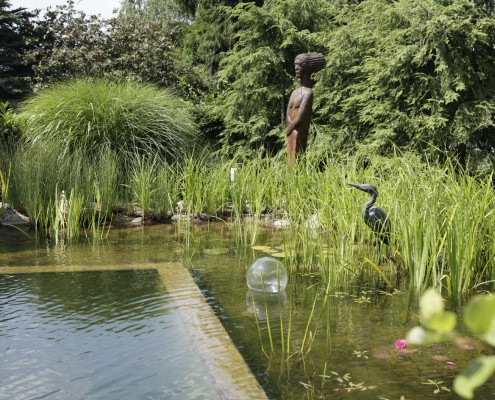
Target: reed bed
column 441, row 217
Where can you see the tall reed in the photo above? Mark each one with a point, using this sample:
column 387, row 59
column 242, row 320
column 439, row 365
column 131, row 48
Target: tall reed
column 468, row 229
column 441, row 217
column 63, row 194
column 105, row 181
column 165, row 194
column 142, row 181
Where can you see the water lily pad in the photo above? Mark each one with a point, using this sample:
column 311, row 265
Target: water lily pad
column 404, row 352
column 440, row 357
column 450, row 365
column 382, row 356
column 220, row 250
column 261, row 248
column 279, row 254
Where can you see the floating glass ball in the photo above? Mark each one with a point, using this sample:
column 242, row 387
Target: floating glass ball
column 267, row 275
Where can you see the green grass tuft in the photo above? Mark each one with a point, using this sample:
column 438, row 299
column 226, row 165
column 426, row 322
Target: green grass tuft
column 126, row 116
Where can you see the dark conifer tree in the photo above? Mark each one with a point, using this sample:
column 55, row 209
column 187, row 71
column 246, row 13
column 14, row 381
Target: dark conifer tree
column 15, row 27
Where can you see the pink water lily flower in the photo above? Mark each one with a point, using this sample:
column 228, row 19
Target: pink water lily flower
column 400, row 344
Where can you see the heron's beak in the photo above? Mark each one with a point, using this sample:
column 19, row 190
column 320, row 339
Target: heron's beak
column 367, row 188
column 357, row 186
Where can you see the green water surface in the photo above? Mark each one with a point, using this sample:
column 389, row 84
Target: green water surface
column 352, row 331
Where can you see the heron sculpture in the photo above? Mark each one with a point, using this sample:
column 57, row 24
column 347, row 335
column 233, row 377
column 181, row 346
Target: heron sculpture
column 374, row 216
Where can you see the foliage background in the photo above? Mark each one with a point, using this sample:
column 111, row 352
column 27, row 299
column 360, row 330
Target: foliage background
column 410, row 75
column 16, row 27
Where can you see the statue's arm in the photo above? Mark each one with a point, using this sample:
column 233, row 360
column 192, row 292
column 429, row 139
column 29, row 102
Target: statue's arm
column 290, row 126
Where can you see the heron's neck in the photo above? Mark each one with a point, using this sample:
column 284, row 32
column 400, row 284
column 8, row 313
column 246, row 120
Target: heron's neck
column 370, row 203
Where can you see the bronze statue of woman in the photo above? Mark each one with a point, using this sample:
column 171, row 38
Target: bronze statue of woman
column 300, row 105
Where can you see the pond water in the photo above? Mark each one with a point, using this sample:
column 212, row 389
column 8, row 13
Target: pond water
column 94, row 335
column 90, row 348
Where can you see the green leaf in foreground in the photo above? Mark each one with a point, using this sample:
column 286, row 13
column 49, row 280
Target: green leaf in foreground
column 473, row 376
column 479, row 317
column 430, row 304
column 442, row 323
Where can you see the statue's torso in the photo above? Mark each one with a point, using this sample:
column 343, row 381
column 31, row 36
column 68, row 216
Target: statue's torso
column 296, row 107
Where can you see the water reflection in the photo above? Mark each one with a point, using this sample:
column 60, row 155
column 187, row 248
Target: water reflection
column 266, row 305
column 95, row 335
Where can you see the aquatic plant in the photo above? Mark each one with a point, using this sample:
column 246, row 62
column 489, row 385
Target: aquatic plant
column 438, row 386
column 433, row 227
column 38, row 179
column 440, row 216
column 142, row 182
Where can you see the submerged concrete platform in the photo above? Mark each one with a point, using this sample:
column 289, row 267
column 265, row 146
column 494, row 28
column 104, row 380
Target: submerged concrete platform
column 231, row 377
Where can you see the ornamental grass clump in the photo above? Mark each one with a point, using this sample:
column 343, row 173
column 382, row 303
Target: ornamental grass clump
column 127, row 117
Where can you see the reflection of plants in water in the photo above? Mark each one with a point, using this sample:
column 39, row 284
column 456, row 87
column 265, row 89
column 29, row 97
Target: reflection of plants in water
column 438, row 386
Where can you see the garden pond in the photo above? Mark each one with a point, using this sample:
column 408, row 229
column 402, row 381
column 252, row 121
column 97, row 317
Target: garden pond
column 116, row 333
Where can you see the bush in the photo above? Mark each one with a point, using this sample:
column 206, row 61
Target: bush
column 127, row 117
column 10, row 126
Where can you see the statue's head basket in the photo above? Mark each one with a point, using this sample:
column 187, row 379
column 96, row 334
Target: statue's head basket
column 311, row 62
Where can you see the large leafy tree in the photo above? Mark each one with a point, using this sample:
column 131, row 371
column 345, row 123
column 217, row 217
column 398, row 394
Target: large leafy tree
column 72, row 44
column 206, row 33
column 75, row 44
column 410, row 74
column 257, row 73
column 151, row 9
column 191, row 8
column 207, row 27
column 15, row 29
column 415, row 74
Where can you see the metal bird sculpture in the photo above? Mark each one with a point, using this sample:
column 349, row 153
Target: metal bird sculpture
column 374, row 216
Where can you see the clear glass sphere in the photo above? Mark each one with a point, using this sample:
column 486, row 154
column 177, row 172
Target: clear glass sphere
column 266, row 305
column 267, row 275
